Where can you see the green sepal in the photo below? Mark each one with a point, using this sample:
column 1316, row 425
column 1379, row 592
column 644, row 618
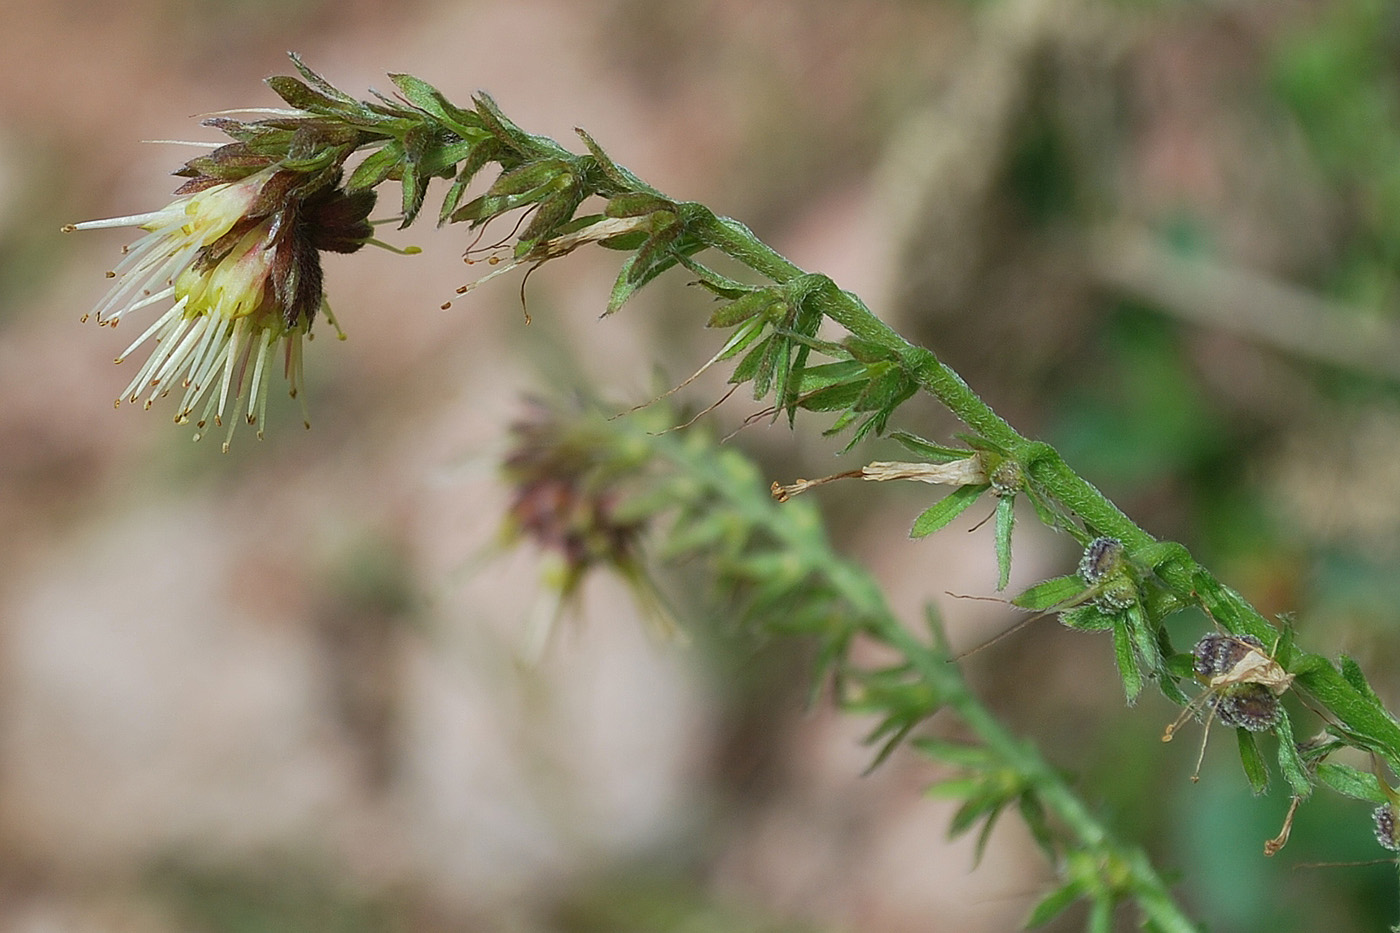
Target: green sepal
column 1033, row 813
column 653, row 258
column 842, row 373
column 982, row 805
column 767, row 365
column 839, row 396
column 1044, row 510
column 1351, row 671
column 958, row 754
column 1230, row 610
column 636, row 205
column 1053, row 904
column 415, row 173
column 946, row 509
column 748, row 366
column 1256, row 771
column 1182, row 665
column 302, row 97
column 1160, row 553
column 740, row 339
column 318, row 82
column 528, row 178
column 429, row 99
column 1289, row 761
column 935, row 453
column 1149, row 652
column 376, row 167
column 1006, row 521
column 1126, row 656
column 1047, row 594
column 759, row 301
column 1088, row 619
column 617, row 174
column 551, row 213
column 1351, row 782
column 478, row 158
column 500, row 126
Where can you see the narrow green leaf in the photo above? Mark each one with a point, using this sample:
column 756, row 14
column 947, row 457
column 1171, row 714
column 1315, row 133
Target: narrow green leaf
column 961, row 754
column 481, row 154
column 318, row 82
column 1036, row 821
column 827, row 375
column 1159, row 910
column 1101, row 914
column 763, row 376
column 749, row 364
column 945, row 510
column 1352, row 672
column 300, row 96
column 1289, row 761
column 984, row 834
column 934, row 453
column 1006, row 520
column 759, row 301
column 1351, row 782
column 615, row 173
column 1144, row 640
column 638, row 270
column 837, row 397
column 1088, row 619
column 958, row 788
column 1049, row 593
column 429, row 99
column 1044, row 510
column 740, row 339
column 1054, row 904
column 1255, row 769
column 376, row 167
column 1126, row 656
column 975, row 808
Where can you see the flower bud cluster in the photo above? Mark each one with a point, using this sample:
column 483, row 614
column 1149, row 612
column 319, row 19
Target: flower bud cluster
column 565, row 497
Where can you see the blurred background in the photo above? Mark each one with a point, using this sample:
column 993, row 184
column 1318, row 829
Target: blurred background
column 277, row 690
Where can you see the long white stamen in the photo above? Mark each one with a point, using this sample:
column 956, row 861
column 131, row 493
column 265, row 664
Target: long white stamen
column 131, row 220
column 161, row 321
column 263, row 347
column 181, row 354
column 235, row 341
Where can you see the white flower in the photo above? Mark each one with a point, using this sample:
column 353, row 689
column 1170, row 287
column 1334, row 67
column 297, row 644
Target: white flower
column 239, row 263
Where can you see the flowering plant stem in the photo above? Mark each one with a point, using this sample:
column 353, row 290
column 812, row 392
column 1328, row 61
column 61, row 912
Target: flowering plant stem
column 835, row 601
column 257, row 213
column 1047, row 471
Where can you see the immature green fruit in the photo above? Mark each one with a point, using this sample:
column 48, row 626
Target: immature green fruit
column 1008, row 478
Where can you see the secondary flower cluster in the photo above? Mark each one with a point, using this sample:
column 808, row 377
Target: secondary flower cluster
column 237, row 255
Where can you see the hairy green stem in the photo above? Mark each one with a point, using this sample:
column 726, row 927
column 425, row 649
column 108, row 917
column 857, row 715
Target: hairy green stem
column 1052, row 477
column 866, row 601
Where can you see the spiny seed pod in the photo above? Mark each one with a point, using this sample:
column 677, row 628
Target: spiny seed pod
column 1249, row 706
column 1387, row 832
column 1102, row 559
column 1008, row 478
column 1218, row 653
